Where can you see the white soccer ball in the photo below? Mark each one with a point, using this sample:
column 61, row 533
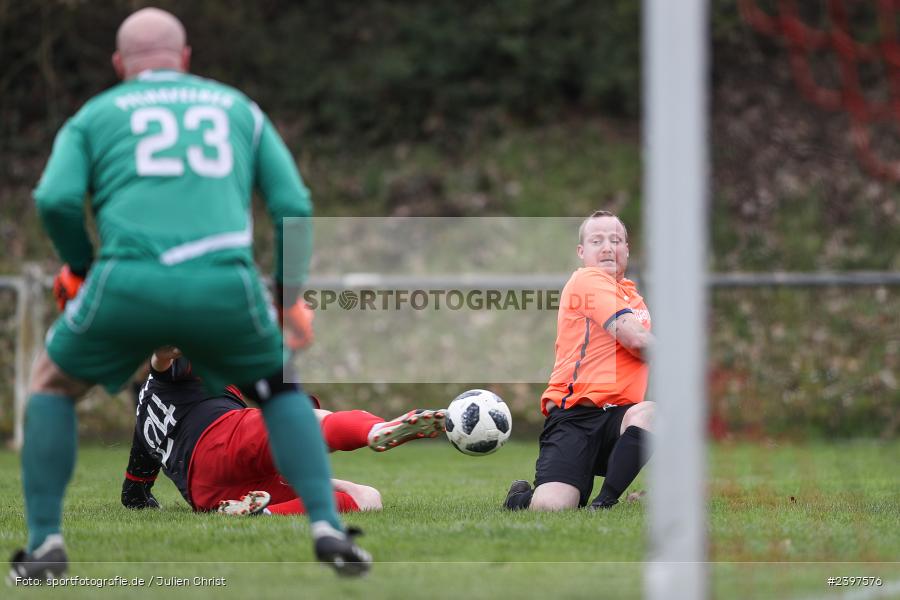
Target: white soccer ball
column 478, row 422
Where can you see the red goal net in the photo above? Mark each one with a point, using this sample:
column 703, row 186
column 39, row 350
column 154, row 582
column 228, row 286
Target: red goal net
column 860, row 38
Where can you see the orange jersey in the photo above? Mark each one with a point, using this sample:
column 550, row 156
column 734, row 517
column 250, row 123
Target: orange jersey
column 591, row 366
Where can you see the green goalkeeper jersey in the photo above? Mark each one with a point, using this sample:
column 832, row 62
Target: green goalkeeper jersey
column 170, row 161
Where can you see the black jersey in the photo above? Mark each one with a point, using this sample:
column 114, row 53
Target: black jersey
column 173, row 412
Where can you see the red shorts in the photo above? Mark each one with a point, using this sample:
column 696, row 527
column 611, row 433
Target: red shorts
column 231, row 458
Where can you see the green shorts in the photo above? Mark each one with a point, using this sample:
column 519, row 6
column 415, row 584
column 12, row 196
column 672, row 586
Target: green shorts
column 220, row 316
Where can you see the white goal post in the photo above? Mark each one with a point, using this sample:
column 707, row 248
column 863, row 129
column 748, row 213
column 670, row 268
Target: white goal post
column 675, row 80
column 30, row 291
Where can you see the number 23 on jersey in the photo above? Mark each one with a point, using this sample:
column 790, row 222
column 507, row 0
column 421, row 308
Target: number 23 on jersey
column 215, row 136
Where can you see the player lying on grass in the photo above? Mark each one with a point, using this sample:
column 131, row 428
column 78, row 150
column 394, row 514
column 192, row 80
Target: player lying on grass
column 215, row 449
column 597, row 420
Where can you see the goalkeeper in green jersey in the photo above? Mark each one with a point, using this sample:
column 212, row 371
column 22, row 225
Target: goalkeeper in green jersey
column 169, row 161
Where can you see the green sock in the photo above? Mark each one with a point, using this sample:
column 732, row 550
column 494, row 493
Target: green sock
column 48, row 459
column 300, row 454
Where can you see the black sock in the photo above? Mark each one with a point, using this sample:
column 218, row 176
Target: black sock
column 625, row 462
column 520, row 501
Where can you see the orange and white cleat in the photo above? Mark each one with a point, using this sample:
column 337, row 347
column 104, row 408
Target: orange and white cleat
column 254, row 503
column 414, row 425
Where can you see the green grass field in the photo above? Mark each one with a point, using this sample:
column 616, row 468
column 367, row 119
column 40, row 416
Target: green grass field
column 783, row 518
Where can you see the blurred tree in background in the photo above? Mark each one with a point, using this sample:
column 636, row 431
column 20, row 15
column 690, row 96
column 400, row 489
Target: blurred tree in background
column 370, row 71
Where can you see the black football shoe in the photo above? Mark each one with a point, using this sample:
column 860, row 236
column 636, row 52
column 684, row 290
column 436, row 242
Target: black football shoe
column 337, row 550
column 602, row 503
column 513, row 496
column 48, row 561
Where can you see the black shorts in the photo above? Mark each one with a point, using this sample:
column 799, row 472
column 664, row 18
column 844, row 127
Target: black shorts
column 575, row 445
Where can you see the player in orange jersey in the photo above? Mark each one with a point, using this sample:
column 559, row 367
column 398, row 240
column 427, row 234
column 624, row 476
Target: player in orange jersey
column 597, row 420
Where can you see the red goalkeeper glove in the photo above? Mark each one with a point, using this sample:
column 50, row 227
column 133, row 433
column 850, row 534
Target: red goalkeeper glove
column 65, row 286
column 296, row 323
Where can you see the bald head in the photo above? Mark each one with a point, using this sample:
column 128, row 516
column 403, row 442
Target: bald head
column 150, row 39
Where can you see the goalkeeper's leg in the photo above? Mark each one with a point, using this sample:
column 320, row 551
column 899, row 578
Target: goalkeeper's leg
column 300, row 455
column 48, row 460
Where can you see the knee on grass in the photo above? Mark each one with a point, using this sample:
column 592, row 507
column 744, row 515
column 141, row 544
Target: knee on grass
column 554, row 496
column 366, row 497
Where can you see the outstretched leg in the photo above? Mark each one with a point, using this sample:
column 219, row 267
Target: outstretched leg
column 347, row 430
column 352, row 429
column 416, row 424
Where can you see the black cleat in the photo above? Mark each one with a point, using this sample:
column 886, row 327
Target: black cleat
column 599, row 504
column 337, row 550
column 519, row 486
column 48, row 561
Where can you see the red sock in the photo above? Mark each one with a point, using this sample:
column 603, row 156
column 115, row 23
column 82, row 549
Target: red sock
column 348, row 429
column 345, row 503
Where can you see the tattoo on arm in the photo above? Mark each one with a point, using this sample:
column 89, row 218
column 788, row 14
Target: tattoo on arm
column 629, row 332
